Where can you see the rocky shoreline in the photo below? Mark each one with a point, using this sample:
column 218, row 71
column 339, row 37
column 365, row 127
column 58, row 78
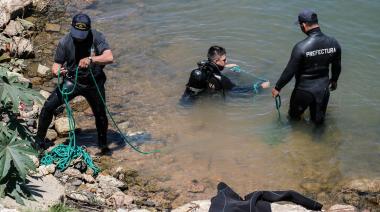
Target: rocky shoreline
column 30, row 31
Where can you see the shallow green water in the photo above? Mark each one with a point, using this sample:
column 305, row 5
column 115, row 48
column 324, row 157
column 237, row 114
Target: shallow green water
column 240, row 140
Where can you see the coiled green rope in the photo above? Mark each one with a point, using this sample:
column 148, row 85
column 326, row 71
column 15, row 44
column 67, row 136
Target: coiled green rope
column 62, row 155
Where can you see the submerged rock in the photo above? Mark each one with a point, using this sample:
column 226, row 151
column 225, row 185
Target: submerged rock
column 196, row 187
column 361, row 193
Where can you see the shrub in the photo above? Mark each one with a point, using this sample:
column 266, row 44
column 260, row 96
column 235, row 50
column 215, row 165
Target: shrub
column 15, row 137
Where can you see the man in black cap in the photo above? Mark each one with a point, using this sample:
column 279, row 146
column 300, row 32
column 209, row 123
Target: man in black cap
column 309, row 63
column 83, row 49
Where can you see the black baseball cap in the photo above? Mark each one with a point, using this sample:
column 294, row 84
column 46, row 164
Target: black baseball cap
column 80, row 26
column 307, row 16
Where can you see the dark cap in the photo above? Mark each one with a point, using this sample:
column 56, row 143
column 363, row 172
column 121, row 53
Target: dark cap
column 307, row 16
column 80, row 26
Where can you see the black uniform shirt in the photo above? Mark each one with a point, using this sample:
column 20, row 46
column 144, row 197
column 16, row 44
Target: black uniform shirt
column 71, row 52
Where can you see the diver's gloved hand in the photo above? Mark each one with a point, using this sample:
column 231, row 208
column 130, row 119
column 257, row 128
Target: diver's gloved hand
column 333, row 85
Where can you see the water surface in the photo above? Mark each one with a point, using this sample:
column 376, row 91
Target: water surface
column 240, row 140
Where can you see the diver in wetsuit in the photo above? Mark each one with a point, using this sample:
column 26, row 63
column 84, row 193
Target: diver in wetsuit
column 309, row 63
column 208, row 77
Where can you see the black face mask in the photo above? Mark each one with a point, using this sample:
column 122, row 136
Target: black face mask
column 76, row 40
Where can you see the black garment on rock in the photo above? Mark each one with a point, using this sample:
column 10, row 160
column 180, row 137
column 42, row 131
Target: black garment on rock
column 310, row 63
column 259, row 201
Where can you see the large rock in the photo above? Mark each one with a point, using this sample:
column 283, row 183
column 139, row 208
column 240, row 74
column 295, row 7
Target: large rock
column 40, row 5
column 52, row 27
column 363, row 186
column 45, row 94
column 26, row 24
column 21, row 47
column 43, row 71
column 71, row 172
column 47, row 192
column 109, row 181
column 195, row 206
column 11, row 8
column 20, row 77
column 61, row 125
column 288, row 207
column 342, row 208
column 119, row 199
column 14, row 28
column 363, row 193
column 51, row 135
column 45, row 170
column 2, row 209
column 79, row 103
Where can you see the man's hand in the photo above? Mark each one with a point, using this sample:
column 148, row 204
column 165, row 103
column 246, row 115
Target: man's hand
column 265, row 84
column 84, row 63
column 275, row 92
column 58, row 67
column 333, row 85
column 230, row 65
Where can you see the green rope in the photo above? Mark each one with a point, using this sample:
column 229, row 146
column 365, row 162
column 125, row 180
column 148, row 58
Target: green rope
column 278, row 105
column 62, row 155
column 257, row 85
column 114, row 123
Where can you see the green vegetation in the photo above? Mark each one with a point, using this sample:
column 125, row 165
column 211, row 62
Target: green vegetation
column 15, row 137
column 61, row 207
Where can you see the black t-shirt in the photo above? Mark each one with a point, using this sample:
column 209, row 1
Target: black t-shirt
column 69, row 53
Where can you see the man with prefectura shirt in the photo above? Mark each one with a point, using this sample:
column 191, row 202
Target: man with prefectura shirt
column 310, row 63
column 83, row 48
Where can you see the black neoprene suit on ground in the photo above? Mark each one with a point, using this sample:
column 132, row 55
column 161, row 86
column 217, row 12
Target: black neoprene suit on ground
column 310, row 63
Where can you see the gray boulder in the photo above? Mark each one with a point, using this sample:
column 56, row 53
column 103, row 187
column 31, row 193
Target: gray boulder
column 13, row 28
column 43, row 71
column 342, row 208
column 10, row 8
column 21, row 47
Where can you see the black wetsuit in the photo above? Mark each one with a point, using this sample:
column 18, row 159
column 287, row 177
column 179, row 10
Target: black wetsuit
column 259, row 201
column 309, row 63
column 69, row 53
column 207, row 78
